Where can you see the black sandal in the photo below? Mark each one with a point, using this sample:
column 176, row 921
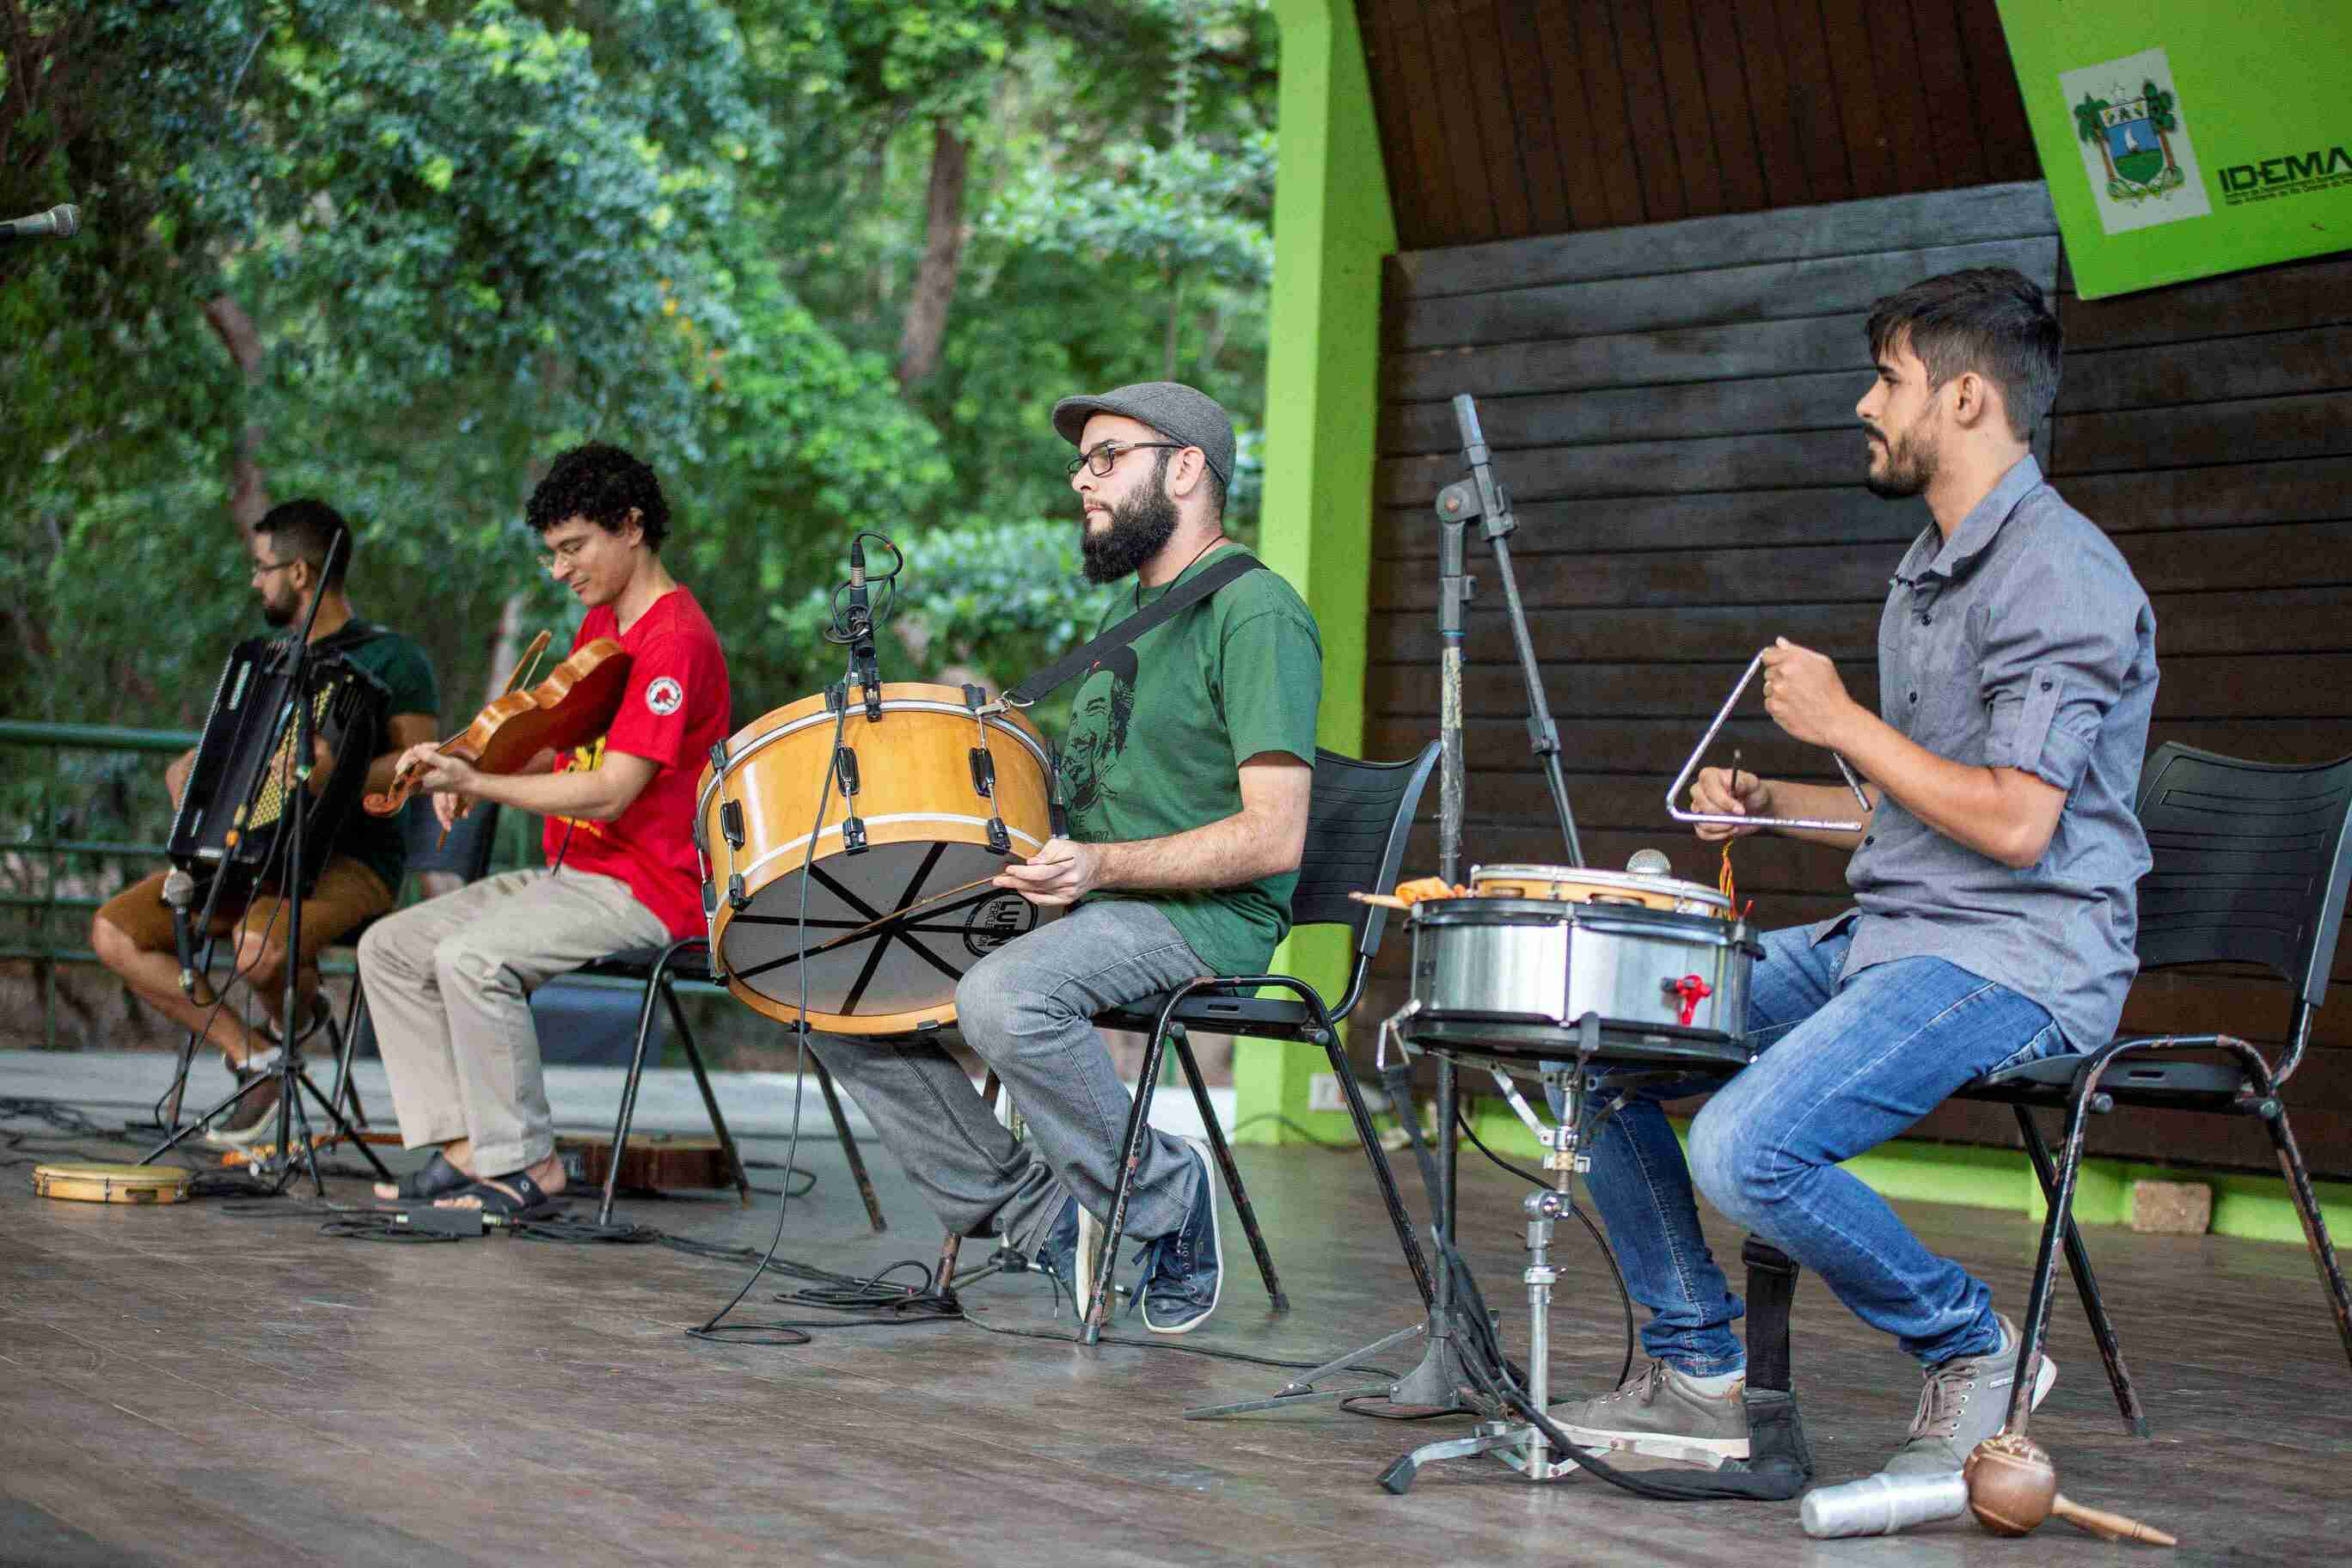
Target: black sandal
column 436, row 1178
column 498, row 1201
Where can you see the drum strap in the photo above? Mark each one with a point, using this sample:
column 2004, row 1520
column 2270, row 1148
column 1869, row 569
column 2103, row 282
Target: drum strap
column 1078, row 661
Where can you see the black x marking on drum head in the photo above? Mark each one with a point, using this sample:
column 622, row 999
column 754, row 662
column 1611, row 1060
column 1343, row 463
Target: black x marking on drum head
column 887, row 931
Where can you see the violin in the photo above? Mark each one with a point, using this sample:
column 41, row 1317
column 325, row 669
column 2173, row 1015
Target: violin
column 571, row 707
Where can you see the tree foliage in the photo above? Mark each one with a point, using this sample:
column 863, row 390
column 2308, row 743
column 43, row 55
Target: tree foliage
column 468, row 232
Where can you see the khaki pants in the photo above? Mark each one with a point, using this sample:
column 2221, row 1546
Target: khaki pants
column 448, row 983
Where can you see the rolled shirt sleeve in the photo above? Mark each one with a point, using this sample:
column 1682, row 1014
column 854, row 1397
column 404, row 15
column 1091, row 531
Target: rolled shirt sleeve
column 2058, row 647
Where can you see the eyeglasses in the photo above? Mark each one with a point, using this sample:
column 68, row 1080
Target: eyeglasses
column 566, row 554
column 264, row 568
column 1100, row 461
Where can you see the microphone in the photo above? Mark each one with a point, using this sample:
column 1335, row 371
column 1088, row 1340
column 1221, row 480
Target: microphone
column 179, row 892
column 58, row 222
column 1650, row 863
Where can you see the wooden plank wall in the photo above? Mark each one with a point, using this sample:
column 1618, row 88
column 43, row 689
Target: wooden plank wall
column 1500, row 118
column 1672, row 408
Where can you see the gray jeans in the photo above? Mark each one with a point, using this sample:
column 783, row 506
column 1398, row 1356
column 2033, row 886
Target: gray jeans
column 1027, row 1010
column 450, row 983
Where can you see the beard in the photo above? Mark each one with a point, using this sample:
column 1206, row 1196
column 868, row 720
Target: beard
column 278, row 617
column 1138, row 526
column 1911, row 465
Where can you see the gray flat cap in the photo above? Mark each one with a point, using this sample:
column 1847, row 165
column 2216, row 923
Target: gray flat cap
column 1177, row 411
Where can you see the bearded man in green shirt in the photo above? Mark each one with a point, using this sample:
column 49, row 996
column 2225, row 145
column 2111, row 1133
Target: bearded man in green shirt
column 1186, row 774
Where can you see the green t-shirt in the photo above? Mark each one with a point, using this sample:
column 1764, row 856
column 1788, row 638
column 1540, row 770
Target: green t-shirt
column 1159, row 728
column 407, row 673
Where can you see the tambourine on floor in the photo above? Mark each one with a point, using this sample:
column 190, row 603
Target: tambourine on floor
column 91, row 1182
column 898, row 902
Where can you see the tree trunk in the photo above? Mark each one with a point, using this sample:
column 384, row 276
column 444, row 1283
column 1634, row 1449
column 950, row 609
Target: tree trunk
column 935, row 281
column 248, row 494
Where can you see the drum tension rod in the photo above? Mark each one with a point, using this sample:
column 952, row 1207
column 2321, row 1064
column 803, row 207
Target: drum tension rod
column 983, row 769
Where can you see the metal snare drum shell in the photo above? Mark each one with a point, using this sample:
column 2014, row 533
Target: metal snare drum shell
column 1521, row 960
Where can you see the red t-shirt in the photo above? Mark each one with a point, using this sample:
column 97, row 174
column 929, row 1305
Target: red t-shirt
column 673, row 711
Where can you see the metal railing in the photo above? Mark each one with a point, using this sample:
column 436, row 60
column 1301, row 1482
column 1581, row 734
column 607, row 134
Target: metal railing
column 86, row 807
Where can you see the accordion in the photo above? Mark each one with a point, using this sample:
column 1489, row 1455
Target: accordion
column 245, row 789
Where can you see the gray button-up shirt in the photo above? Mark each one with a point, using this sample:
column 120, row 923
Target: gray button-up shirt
column 2024, row 642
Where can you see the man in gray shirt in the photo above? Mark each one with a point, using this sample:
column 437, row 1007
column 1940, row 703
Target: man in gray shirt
column 1993, row 884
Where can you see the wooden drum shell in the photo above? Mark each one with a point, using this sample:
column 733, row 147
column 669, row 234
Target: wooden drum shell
column 918, row 805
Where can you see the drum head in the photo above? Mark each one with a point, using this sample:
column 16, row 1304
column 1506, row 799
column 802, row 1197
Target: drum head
column 901, row 967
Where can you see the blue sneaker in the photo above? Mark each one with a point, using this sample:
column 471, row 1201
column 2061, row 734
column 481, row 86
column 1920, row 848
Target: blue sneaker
column 1067, row 1253
column 1184, row 1270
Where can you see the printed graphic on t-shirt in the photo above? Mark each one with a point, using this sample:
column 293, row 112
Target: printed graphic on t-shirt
column 585, row 758
column 1098, row 733
column 664, row 696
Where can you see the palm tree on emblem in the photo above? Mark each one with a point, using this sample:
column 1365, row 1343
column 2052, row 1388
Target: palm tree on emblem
column 2088, row 127
column 2160, row 115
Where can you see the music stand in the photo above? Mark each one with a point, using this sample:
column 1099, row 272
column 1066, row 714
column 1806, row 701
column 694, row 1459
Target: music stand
column 291, row 1080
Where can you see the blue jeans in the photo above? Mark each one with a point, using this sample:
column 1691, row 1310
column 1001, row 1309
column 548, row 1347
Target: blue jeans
column 1843, row 1068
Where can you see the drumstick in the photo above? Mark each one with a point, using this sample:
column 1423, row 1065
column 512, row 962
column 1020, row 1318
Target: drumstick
column 1385, row 900
column 895, row 916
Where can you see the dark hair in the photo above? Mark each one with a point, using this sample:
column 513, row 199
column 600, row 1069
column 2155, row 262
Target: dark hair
column 309, row 529
column 1990, row 320
column 602, row 484
column 1216, row 487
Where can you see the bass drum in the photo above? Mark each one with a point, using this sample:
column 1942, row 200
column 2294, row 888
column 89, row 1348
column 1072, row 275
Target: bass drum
column 896, row 899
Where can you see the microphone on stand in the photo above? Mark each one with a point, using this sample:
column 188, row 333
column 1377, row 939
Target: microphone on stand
column 58, row 222
column 179, row 892
column 1650, row 863
column 860, row 630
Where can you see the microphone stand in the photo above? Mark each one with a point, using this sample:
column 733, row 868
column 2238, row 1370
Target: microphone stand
column 1442, row 1376
column 291, row 1081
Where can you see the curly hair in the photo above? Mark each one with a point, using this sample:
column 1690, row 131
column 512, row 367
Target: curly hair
column 602, row 484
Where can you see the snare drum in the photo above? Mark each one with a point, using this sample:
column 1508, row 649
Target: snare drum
column 1583, row 885
column 933, row 800
column 1521, row 972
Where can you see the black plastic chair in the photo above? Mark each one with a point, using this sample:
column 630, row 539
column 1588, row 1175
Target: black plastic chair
column 659, row 969
column 1359, row 817
column 2251, row 862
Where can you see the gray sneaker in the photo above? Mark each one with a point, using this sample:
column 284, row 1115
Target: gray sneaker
column 1662, row 1413
column 1965, row 1402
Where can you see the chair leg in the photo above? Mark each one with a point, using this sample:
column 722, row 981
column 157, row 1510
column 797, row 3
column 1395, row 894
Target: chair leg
column 1369, row 1137
column 2036, row 1324
column 628, row 1099
column 2086, row 1284
column 1181, row 1039
column 2314, row 1227
column 347, row 1045
column 709, row 1096
column 1130, row 1156
column 849, row 1147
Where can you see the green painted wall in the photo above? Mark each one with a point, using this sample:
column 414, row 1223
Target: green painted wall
column 1332, row 226
column 2253, row 1208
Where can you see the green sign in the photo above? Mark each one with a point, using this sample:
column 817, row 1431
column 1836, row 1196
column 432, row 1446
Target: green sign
column 2182, row 138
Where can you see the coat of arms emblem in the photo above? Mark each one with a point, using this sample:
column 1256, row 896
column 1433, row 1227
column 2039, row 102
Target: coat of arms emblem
column 2134, row 136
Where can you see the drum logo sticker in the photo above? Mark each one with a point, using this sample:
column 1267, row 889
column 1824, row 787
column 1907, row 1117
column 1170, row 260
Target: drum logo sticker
column 996, row 921
column 2134, row 138
column 664, row 696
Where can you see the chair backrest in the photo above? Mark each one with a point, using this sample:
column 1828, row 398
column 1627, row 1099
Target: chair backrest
column 1357, row 824
column 465, row 854
column 2251, row 863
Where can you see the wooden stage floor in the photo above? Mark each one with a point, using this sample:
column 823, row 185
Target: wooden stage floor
column 191, row 1385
